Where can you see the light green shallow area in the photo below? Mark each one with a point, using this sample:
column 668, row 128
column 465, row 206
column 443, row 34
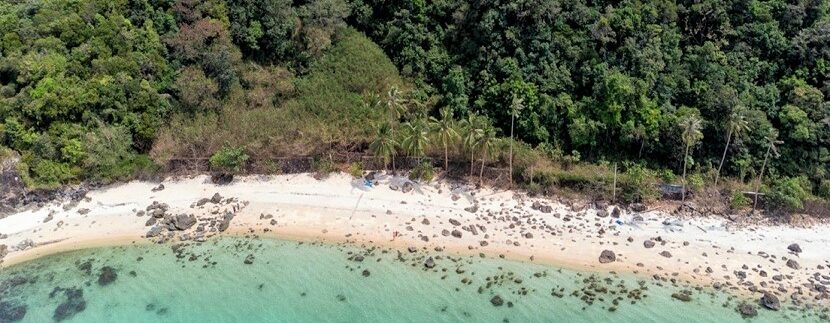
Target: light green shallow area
column 301, row 282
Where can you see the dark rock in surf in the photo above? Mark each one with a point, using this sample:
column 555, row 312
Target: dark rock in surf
column 747, row 310
column 770, row 301
column 497, row 301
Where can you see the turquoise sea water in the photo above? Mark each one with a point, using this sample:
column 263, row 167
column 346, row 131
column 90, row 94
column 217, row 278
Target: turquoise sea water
column 302, row 282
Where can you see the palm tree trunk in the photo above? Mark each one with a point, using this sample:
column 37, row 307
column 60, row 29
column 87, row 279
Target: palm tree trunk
column 472, row 162
column 446, row 158
column 642, row 144
column 511, row 149
column 723, row 158
column 481, row 172
column 685, row 160
column 760, row 176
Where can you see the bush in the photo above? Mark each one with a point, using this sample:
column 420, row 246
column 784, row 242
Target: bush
column 322, row 166
column 637, row 184
column 667, row 176
column 356, row 169
column 423, row 172
column 695, row 182
column 789, row 193
column 229, row 159
column 824, row 189
column 738, row 201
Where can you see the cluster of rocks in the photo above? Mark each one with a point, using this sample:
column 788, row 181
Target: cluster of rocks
column 215, row 216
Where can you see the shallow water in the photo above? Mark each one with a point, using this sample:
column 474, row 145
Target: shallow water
column 302, row 282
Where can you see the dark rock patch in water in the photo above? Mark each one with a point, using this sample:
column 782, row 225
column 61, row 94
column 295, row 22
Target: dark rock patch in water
column 11, row 312
column 107, row 276
column 73, row 304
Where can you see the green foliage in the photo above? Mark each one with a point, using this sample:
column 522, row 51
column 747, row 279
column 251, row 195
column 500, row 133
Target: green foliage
column 789, row 193
column 424, row 171
column 696, row 183
column 356, row 169
column 739, row 200
column 824, row 189
column 229, row 159
column 322, row 166
column 638, row 184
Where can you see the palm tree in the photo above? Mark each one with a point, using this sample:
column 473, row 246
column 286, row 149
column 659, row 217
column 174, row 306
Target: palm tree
column 690, row 127
column 445, row 131
column 736, row 125
column 415, row 139
column 487, row 144
column 773, row 135
column 394, row 104
column 472, row 131
column 384, row 145
column 515, row 107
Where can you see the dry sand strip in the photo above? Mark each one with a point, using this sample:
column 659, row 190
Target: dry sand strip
column 709, row 251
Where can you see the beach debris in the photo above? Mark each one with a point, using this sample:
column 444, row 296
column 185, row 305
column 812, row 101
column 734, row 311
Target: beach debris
column 795, row 248
column 747, row 310
column 793, row 264
column 73, row 304
column 497, row 301
column 83, row 211
column 25, row 244
column 770, row 301
column 607, row 256
column 157, row 188
column 429, row 263
column 11, row 312
column 107, row 276
column 406, row 187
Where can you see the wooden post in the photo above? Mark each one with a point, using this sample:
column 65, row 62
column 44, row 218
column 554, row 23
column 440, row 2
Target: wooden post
column 614, row 191
column 531, row 175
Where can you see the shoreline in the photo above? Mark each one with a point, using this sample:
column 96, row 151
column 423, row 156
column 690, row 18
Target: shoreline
column 505, row 223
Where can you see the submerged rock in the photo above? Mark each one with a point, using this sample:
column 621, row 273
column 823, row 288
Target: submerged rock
column 684, row 297
column 73, row 304
column 497, row 301
column 607, row 256
column 747, row 310
column 11, row 312
column 429, row 263
column 107, row 276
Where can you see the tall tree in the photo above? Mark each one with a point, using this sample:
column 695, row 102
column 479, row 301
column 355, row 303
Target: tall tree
column 486, row 143
column 472, row 131
column 690, row 132
column 415, row 139
column 771, row 142
column 445, row 131
column 736, row 125
column 384, row 145
column 516, row 106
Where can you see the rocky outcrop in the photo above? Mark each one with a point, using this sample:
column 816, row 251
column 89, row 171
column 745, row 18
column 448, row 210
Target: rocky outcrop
column 770, row 301
column 107, row 276
column 10, row 312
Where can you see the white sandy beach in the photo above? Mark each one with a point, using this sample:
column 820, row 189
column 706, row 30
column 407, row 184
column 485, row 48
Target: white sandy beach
column 704, row 251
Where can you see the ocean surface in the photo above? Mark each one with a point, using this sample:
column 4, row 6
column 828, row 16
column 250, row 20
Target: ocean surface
column 266, row 280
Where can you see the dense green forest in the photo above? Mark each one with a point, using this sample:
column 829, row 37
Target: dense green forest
column 101, row 90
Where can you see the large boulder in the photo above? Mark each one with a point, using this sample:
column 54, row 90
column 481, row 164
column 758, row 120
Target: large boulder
column 793, row 264
column 184, row 221
column 607, row 256
column 770, row 301
column 794, row 248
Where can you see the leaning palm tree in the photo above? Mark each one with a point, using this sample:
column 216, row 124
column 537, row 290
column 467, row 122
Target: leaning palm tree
column 445, row 131
column 516, row 106
column 690, row 133
column 472, row 131
column 384, row 145
column 487, row 144
column 736, row 126
column 771, row 138
column 415, row 139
